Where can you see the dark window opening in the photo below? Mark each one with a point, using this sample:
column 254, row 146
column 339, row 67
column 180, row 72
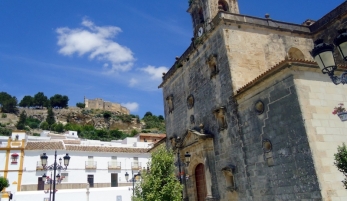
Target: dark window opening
column 91, row 180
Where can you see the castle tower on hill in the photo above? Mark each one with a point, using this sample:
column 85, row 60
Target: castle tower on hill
column 100, row 104
column 253, row 109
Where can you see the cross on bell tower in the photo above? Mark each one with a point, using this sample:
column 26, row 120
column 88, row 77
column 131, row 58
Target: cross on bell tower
column 203, row 11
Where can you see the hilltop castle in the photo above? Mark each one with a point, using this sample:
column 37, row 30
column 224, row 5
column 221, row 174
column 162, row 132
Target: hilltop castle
column 100, row 104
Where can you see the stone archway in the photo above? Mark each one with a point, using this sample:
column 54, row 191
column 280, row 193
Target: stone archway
column 200, row 182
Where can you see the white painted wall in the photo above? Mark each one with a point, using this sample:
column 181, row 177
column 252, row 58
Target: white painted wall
column 96, row 194
column 76, row 169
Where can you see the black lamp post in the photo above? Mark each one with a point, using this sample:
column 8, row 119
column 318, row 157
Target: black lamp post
column 187, row 157
column 127, row 178
column 323, row 55
column 54, row 167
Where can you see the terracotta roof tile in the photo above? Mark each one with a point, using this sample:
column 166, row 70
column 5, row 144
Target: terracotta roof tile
column 44, row 145
column 106, row 149
column 72, row 141
column 279, row 66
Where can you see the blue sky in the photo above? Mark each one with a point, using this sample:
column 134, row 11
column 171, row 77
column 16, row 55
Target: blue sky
column 110, row 49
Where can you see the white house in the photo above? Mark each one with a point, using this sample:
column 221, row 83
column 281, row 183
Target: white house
column 102, row 165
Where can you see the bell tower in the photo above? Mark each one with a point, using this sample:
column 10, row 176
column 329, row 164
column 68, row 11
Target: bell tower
column 203, row 11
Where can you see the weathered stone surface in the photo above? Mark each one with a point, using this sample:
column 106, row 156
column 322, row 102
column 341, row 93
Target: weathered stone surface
column 297, row 118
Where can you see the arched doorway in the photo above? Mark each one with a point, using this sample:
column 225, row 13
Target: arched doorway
column 200, row 182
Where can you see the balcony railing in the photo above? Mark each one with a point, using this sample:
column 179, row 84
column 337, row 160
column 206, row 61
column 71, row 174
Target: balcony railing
column 91, row 164
column 114, row 165
column 136, row 165
column 39, row 165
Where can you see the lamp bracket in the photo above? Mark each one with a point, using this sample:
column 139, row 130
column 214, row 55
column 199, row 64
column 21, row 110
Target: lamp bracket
column 339, row 80
column 58, row 167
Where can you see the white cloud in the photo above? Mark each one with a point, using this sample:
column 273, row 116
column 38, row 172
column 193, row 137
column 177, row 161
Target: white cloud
column 146, row 78
column 97, row 43
column 133, row 82
column 133, row 107
column 155, row 73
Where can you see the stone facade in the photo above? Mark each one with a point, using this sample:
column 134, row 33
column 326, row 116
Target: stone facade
column 100, row 104
column 247, row 103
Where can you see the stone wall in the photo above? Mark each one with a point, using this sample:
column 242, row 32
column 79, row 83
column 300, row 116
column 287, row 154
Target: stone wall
column 100, row 104
column 264, row 48
column 287, row 170
column 318, row 96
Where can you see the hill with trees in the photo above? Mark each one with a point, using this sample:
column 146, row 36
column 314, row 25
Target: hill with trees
column 37, row 113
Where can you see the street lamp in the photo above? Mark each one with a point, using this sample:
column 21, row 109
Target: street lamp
column 127, row 178
column 50, row 180
column 186, row 162
column 323, row 55
column 54, row 167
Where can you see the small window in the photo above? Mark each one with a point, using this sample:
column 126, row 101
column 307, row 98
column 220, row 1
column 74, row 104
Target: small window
column 223, row 5
column 212, row 64
column 91, row 180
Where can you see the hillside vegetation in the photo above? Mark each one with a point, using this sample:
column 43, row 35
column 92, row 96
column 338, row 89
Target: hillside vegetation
column 40, row 113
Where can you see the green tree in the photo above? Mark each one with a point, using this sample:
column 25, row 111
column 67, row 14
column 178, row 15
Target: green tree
column 133, row 133
column 4, row 96
column 3, row 183
column 154, row 122
column 341, row 161
column 116, row 134
column 32, row 122
column 160, row 183
column 22, row 120
column 44, row 126
column 148, row 114
column 59, row 101
column 50, row 117
column 40, row 100
column 80, row 105
column 8, row 103
column 59, row 127
column 161, row 118
column 27, row 101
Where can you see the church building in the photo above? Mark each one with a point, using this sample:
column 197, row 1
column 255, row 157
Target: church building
column 253, row 109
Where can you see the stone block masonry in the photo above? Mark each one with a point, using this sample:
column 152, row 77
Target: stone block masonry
column 100, row 104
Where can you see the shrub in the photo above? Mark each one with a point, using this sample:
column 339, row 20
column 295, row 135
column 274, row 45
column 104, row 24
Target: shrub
column 125, row 118
column 3, row 183
column 5, row 131
column 59, row 127
column 44, row 126
column 3, row 115
column 341, row 161
column 81, row 105
column 133, row 133
column 36, row 134
column 107, row 114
